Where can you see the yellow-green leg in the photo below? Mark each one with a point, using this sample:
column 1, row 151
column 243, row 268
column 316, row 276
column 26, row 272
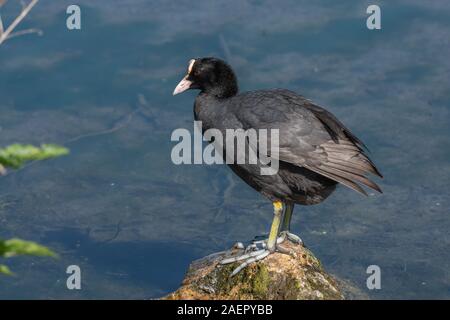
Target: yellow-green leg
column 287, row 217
column 253, row 253
column 286, row 226
column 273, row 235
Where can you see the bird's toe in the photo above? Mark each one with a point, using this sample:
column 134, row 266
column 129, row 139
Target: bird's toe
column 286, row 235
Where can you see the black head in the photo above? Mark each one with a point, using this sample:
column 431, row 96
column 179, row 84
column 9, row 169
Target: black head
column 211, row 76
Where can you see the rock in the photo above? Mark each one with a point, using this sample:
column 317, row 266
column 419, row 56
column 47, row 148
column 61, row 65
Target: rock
column 279, row 276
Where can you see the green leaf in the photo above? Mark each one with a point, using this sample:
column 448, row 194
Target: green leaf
column 16, row 155
column 5, row 270
column 14, row 247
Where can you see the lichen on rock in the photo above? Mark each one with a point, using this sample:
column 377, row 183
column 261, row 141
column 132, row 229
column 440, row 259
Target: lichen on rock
column 297, row 276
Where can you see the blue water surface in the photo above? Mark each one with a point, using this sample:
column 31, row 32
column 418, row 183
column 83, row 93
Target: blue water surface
column 133, row 221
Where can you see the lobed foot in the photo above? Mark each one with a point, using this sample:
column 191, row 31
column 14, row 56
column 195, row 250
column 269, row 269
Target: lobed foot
column 254, row 252
column 286, row 235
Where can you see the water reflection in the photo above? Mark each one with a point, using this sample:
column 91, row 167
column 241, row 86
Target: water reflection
column 133, row 221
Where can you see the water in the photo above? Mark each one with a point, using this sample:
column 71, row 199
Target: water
column 133, row 221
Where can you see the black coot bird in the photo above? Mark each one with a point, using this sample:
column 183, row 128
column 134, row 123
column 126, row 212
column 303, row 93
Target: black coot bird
column 316, row 151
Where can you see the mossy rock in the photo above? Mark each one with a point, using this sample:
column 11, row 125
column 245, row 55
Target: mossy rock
column 298, row 276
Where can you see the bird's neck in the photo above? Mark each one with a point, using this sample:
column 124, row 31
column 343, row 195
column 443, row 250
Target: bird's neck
column 207, row 106
column 226, row 89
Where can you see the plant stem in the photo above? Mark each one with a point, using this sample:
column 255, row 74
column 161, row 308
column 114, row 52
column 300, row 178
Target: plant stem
column 4, row 35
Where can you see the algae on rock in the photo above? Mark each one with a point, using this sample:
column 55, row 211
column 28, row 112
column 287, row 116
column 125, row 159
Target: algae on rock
column 279, row 276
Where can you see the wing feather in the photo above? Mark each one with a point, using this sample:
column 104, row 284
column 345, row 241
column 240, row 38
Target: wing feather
column 311, row 137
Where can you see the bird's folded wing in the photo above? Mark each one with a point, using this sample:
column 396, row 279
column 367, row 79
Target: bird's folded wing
column 340, row 161
column 313, row 138
column 344, row 163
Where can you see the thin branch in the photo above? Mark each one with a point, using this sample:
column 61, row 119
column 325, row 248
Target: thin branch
column 123, row 124
column 2, row 2
column 1, row 26
column 23, row 32
column 16, row 22
column 115, row 128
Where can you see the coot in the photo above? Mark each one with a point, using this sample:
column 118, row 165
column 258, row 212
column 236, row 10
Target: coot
column 316, row 151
